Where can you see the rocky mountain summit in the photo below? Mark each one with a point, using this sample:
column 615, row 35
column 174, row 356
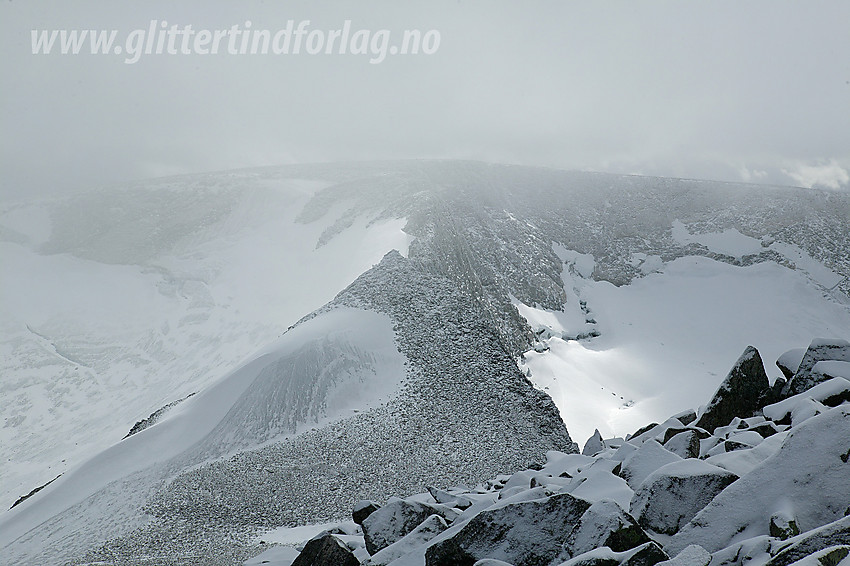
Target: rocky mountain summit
column 757, row 477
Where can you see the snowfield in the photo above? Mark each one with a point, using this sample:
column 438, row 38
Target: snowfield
column 97, row 335
column 667, row 337
column 329, row 367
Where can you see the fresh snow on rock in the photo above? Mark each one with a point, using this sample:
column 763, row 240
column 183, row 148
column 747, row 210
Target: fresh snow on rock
column 671, row 495
column 728, row 242
column 832, row 368
column 809, row 472
column 789, row 362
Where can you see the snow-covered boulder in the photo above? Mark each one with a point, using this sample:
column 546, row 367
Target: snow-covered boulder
column 593, row 445
column 808, row 477
column 447, row 498
column 685, row 444
column 604, row 524
column 639, row 464
column 832, row 368
column 819, row 350
column 647, row 554
column 326, row 550
column 424, row 532
column 396, row 519
column 741, row 394
column 808, row 543
column 654, row 430
column 789, row 362
column 693, row 555
column 528, row 533
column 833, row 555
column 686, row 417
column 674, row 493
column 363, row 509
column 828, row 393
column 783, row 524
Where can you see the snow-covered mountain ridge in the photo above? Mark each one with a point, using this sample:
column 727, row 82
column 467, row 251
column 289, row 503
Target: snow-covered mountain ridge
column 602, row 289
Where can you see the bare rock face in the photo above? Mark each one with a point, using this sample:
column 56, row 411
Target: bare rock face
column 819, row 350
column 741, row 394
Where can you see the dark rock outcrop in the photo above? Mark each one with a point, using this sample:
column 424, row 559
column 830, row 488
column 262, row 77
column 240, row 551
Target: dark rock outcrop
column 741, row 394
column 326, row 550
column 363, row 509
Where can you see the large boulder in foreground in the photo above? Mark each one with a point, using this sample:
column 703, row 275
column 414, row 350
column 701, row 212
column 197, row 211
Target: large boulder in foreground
column 397, row 519
column 647, row 554
column 819, row 350
column 326, row 550
column 605, row 524
column 427, row 530
column 742, row 393
column 806, row 544
column 808, row 479
column 528, row 533
column 642, row 462
column 673, row 494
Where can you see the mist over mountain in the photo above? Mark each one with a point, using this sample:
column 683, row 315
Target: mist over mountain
column 284, row 342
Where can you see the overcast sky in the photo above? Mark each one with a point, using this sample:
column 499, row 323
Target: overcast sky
column 737, row 90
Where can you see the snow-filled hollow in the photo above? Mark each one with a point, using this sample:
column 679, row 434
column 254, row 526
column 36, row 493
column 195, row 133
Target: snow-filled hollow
column 668, row 339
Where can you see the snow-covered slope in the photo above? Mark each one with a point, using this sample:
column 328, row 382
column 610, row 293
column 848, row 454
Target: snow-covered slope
column 119, row 302
column 625, row 298
column 684, row 323
column 332, row 366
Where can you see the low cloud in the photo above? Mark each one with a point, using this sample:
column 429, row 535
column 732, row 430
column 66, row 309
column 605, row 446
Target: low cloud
column 830, row 175
column 752, row 175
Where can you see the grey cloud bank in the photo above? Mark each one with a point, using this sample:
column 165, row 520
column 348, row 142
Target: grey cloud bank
column 756, row 91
